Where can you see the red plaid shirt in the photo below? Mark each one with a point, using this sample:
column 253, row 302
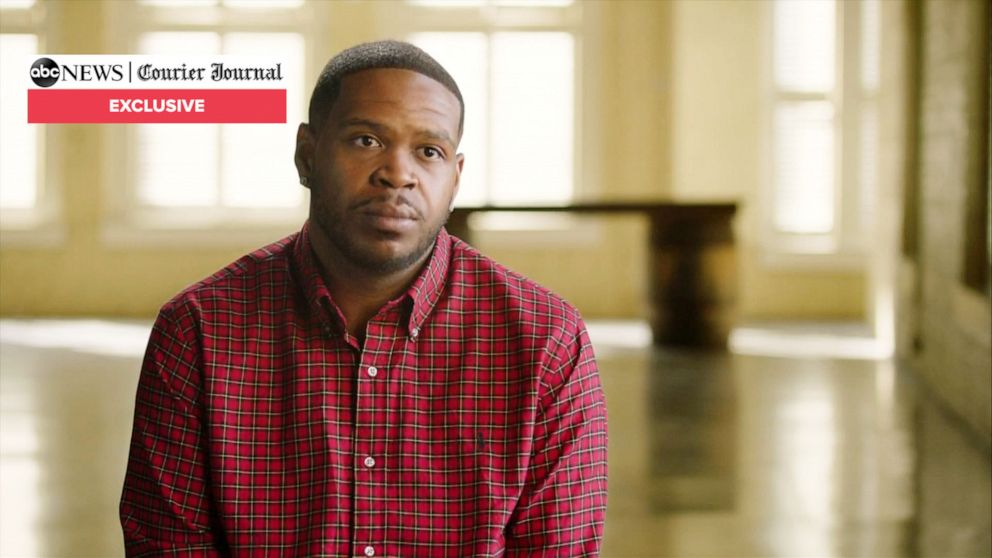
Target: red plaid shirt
column 471, row 422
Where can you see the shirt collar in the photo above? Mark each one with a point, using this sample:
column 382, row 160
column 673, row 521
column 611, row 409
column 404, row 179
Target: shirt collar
column 424, row 292
column 427, row 287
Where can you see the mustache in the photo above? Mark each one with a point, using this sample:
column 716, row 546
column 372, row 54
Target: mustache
column 396, row 201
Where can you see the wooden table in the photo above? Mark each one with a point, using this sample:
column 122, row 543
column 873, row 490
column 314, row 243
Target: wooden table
column 693, row 269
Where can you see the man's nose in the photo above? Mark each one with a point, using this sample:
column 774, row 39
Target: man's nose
column 396, row 171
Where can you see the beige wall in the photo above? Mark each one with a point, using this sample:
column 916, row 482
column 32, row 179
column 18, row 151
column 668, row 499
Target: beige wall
column 673, row 110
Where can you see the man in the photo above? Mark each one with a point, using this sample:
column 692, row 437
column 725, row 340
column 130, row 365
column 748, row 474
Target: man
column 369, row 386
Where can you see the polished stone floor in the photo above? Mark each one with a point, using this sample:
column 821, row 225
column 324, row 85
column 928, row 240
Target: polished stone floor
column 799, row 443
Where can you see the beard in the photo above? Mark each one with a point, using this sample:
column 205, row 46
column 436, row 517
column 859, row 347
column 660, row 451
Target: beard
column 334, row 221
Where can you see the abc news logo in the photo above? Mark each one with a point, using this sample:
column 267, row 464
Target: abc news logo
column 45, row 72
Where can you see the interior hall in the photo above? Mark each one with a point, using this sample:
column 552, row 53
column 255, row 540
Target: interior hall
column 773, row 215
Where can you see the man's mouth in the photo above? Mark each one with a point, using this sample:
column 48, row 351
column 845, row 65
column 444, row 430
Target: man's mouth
column 389, row 211
column 390, row 218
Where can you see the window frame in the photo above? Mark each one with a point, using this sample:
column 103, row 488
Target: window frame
column 408, row 18
column 42, row 225
column 847, row 245
column 402, row 19
column 126, row 220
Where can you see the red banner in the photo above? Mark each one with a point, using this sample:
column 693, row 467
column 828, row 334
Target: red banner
column 131, row 106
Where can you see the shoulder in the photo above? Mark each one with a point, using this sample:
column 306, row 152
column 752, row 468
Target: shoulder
column 491, row 287
column 541, row 326
column 264, row 272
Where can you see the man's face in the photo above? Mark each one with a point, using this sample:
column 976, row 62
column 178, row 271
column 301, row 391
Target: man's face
column 383, row 168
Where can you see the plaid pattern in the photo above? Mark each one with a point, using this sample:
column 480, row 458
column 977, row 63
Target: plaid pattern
column 471, row 423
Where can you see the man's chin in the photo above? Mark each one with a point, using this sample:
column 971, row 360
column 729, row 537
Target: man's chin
column 375, row 252
column 384, row 257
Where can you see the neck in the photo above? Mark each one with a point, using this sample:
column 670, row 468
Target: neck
column 359, row 292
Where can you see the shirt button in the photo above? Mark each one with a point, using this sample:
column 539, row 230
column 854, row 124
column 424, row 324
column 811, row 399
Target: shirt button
column 373, row 371
column 370, row 550
column 414, row 333
column 369, row 462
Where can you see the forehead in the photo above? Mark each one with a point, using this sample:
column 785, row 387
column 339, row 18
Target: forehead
column 390, row 93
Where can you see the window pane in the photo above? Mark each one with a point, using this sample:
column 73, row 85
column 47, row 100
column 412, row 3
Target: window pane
column 870, row 30
column 257, row 159
column 804, row 45
column 16, row 4
column 179, row 43
column 464, row 56
column 532, row 116
column 177, row 163
column 18, row 139
column 869, row 162
column 804, row 167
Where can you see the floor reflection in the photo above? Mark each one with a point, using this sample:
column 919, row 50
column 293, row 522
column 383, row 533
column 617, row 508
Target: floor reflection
column 692, row 413
column 66, row 422
column 729, row 455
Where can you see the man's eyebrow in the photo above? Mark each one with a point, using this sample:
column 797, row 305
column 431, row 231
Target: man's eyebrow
column 440, row 135
column 359, row 122
column 355, row 122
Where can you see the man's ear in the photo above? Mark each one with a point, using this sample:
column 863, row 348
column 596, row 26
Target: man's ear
column 305, row 145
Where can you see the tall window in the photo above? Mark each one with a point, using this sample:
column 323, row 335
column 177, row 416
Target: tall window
column 24, row 198
column 210, row 174
column 515, row 63
column 824, row 125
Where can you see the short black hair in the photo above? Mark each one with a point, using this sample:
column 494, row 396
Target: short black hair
column 371, row 56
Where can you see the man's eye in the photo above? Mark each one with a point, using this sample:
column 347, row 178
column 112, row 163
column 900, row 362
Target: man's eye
column 432, row 153
column 366, row 141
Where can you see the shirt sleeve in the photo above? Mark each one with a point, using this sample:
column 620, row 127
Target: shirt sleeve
column 563, row 505
column 165, row 508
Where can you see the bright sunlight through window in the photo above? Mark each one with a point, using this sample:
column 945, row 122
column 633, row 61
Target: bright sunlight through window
column 824, row 126
column 18, row 139
column 803, row 126
column 203, row 165
column 519, row 96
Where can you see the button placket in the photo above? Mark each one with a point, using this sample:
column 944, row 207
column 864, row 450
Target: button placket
column 370, row 433
column 382, row 357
